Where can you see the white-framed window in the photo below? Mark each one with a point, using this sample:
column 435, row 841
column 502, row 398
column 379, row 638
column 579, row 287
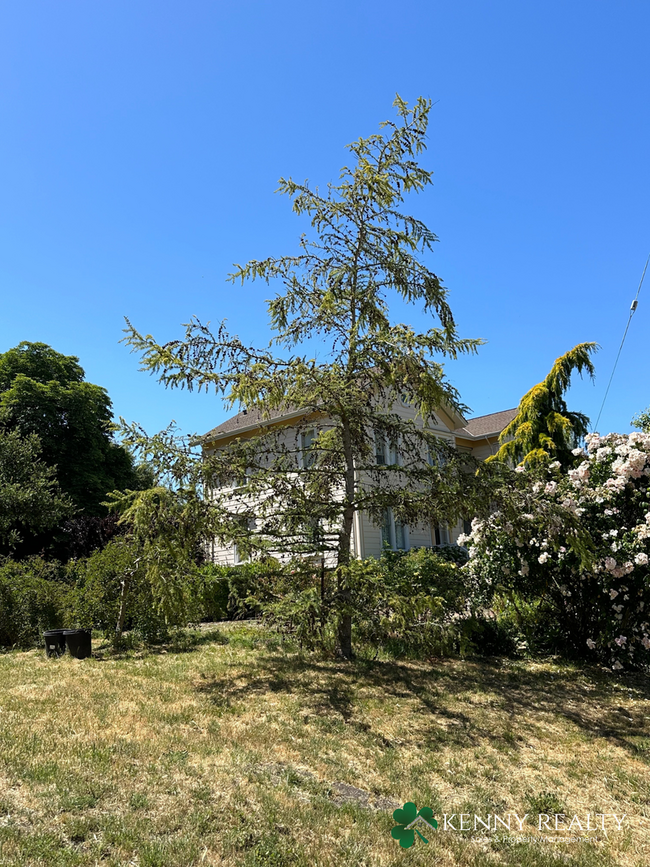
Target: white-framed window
column 436, row 458
column 441, row 534
column 238, row 555
column 386, row 451
column 244, row 481
column 394, row 534
column 308, row 454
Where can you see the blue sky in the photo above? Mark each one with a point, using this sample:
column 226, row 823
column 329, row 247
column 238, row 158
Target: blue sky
column 142, row 142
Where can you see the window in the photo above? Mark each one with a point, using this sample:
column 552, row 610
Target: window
column 386, row 452
column 437, row 458
column 394, row 534
column 400, row 536
column 441, row 532
column 238, row 555
column 386, row 535
column 307, row 439
column 380, row 449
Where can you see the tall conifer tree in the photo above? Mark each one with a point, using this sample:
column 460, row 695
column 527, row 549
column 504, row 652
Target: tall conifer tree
column 336, row 292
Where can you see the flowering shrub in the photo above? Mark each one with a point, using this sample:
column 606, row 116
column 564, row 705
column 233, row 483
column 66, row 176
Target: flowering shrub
column 576, row 544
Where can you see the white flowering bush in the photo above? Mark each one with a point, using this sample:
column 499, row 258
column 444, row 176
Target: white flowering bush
column 574, row 546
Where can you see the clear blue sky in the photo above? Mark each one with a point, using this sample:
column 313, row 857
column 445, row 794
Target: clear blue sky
column 142, row 141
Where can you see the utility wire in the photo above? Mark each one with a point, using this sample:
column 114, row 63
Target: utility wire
column 633, row 307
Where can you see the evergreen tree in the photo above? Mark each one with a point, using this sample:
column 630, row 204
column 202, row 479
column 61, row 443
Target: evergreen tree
column 336, row 293
column 544, row 429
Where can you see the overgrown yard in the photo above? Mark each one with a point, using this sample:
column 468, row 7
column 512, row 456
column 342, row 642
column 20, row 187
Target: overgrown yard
column 231, row 749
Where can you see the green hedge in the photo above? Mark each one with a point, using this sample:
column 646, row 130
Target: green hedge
column 414, row 603
column 34, row 596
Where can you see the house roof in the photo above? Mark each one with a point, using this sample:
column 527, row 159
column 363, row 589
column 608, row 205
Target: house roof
column 476, row 428
column 487, row 425
column 247, row 420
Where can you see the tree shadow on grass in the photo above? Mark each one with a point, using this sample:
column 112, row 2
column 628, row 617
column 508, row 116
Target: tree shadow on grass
column 451, row 696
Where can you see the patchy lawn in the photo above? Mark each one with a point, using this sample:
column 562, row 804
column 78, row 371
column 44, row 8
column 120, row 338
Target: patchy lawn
column 232, row 750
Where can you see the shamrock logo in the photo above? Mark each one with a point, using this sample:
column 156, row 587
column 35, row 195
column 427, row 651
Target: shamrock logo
column 408, row 817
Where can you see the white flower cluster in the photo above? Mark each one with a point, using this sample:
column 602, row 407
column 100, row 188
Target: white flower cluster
column 607, row 494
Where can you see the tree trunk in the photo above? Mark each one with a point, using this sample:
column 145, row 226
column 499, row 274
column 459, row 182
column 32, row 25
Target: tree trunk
column 345, row 539
column 119, row 626
column 124, row 594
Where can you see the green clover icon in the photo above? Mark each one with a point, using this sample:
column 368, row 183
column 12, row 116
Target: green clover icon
column 407, row 817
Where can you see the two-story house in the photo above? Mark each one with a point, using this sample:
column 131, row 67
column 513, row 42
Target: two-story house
column 478, row 436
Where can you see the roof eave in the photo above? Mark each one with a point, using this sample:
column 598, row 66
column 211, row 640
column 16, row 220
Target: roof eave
column 206, row 439
column 466, row 435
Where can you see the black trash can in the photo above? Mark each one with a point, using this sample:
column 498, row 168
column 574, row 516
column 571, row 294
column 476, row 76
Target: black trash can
column 54, row 642
column 78, row 641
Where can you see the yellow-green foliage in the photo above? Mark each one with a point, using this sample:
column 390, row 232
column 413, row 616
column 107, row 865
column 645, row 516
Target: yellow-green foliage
column 544, row 429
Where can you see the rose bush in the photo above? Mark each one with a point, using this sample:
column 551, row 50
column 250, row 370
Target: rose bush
column 573, row 547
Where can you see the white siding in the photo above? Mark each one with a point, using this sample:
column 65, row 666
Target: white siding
column 366, row 535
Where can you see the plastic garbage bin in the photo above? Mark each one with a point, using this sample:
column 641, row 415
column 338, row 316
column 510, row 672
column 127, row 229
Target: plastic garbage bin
column 54, row 642
column 78, row 641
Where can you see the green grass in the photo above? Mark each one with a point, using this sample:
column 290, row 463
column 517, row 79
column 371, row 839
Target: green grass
column 232, row 749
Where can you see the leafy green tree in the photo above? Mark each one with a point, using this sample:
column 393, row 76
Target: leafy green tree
column 30, row 498
column 642, row 421
column 336, row 294
column 544, row 429
column 43, row 392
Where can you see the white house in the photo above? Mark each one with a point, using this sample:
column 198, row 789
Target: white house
column 478, row 436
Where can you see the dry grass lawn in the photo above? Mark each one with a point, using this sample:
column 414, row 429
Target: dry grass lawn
column 230, row 749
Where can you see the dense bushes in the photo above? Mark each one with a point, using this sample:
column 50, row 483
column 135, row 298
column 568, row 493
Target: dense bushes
column 572, row 559
column 97, row 593
column 34, row 595
column 232, row 592
column 420, row 603
column 414, row 603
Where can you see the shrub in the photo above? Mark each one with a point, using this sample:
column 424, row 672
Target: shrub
column 574, row 547
column 34, row 596
column 99, row 587
column 231, row 592
column 411, row 603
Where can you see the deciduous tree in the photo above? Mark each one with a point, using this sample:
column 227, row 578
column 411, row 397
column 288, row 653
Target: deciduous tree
column 43, row 392
column 30, row 498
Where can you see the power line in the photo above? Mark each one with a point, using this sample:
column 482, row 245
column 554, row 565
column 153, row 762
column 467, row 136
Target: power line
column 633, row 307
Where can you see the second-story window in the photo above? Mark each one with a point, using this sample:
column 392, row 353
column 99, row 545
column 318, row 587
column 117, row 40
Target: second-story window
column 386, row 451
column 441, row 532
column 437, row 457
column 380, row 449
column 307, row 439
